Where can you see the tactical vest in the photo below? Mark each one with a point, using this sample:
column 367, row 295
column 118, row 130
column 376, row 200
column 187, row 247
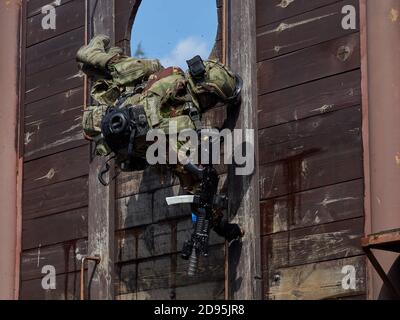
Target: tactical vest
column 167, row 95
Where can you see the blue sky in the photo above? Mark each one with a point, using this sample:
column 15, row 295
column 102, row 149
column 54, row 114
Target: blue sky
column 175, row 30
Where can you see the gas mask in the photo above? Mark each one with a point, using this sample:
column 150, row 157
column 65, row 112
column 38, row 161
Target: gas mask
column 124, row 130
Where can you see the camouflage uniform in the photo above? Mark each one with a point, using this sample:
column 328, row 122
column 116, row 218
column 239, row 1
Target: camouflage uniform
column 166, row 94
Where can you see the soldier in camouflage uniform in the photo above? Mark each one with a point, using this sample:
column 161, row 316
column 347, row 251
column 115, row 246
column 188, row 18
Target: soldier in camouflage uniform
column 156, row 96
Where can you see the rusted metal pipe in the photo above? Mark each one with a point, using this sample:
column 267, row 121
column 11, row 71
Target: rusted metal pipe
column 82, row 282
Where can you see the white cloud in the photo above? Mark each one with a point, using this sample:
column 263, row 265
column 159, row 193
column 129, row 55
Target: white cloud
column 186, row 49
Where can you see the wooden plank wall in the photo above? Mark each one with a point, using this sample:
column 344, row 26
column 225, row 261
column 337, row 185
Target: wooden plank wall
column 55, row 197
column 311, row 169
column 149, row 235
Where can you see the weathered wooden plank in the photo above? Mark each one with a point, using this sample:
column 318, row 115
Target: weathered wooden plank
column 244, row 275
column 318, row 206
column 203, row 291
column 323, row 280
column 55, row 198
column 320, row 170
column 210, row 268
column 42, row 140
column 276, row 10
column 57, row 228
column 153, row 178
column 311, row 161
column 54, row 51
column 68, row 17
column 162, row 211
column 323, row 60
column 302, row 31
column 310, row 136
column 101, row 215
column 54, row 124
column 290, row 146
column 67, row 288
column 318, row 243
column 156, row 239
column 147, row 242
column 169, row 272
column 126, row 277
column 134, row 211
column 62, row 166
column 34, row 7
column 70, row 142
column 310, row 99
column 65, row 257
column 127, row 245
column 51, row 81
column 57, row 108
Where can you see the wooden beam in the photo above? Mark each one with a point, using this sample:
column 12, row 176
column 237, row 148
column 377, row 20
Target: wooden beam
column 244, row 265
column 101, row 199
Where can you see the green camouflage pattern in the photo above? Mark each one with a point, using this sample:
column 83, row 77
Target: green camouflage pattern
column 105, row 92
column 91, row 123
column 96, row 54
column 219, row 85
column 167, row 96
column 130, row 71
column 91, row 120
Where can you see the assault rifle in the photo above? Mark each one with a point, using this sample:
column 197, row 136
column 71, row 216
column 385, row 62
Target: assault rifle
column 203, row 205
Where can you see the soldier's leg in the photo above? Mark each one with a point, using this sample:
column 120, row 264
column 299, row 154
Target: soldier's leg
column 128, row 71
column 97, row 58
column 93, row 58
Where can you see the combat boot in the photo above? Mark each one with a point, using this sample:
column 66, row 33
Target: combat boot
column 115, row 51
column 95, row 55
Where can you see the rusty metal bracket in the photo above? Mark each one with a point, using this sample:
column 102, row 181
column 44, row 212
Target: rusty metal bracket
column 389, row 241
column 96, row 259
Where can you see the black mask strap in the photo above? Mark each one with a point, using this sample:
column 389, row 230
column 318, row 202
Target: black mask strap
column 104, row 170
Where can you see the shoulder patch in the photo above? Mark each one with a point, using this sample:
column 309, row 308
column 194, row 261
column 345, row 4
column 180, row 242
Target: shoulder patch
column 161, row 75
